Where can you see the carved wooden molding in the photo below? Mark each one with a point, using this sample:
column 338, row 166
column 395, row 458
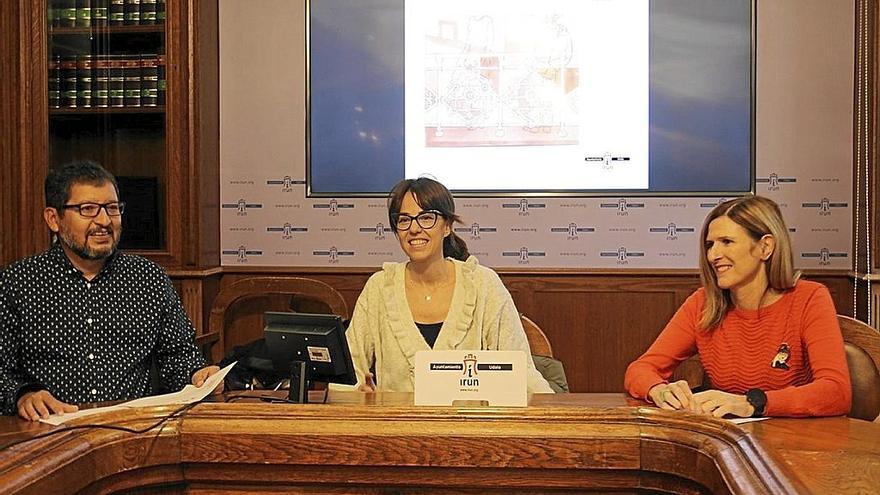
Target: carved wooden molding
column 568, row 448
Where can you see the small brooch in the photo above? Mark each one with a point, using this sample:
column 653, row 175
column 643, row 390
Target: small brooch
column 780, row 360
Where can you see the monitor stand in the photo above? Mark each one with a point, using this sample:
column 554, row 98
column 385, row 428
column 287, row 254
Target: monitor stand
column 299, row 383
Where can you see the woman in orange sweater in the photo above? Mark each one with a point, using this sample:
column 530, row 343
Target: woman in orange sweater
column 769, row 342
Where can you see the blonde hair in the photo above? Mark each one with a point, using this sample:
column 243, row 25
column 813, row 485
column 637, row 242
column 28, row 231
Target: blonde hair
column 759, row 216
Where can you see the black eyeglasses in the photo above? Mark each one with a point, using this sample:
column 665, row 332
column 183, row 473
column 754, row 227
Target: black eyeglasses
column 425, row 219
column 91, row 210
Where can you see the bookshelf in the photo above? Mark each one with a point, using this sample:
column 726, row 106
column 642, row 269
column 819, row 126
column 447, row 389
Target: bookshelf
column 106, row 95
column 163, row 148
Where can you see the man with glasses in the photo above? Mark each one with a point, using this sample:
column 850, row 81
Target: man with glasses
column 82, row 322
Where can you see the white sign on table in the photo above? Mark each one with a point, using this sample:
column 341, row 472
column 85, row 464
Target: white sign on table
column 495, row 377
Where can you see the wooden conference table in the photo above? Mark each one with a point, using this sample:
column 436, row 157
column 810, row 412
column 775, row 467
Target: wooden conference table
column 380, row 443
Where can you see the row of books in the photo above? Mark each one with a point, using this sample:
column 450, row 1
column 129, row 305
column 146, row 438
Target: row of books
column 86, row 13
column 105, row 81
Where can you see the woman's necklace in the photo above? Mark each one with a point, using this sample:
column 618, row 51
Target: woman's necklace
column 428, row 294
column 426, row 291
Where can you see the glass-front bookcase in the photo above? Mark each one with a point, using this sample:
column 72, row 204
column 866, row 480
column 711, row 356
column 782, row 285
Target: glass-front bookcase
column 107, row 98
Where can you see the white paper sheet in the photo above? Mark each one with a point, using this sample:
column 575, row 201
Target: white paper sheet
column 188, row 395
column 739, row 421
column 57, row 419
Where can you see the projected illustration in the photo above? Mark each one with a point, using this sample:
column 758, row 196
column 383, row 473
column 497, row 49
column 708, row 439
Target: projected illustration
column 503, row 94
column 500, row 80
column 556, row 96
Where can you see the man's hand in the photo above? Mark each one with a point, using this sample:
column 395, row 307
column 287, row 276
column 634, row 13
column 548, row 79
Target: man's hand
column 34, row 406
column 199, row 377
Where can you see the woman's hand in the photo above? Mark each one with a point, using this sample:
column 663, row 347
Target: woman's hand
column 369, row 385
column 719, row 404
column 673, row 396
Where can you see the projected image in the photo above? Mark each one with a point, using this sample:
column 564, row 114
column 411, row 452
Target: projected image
column 497, row 97
column 525, row 95
column 500, row 80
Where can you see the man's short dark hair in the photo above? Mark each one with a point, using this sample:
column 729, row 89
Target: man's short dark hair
column 59, row 180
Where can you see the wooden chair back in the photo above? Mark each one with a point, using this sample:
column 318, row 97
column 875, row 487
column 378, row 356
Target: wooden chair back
column 692, row 371
column 251, row 288
column 862, row 347
column 538, row 342
column 542, row 354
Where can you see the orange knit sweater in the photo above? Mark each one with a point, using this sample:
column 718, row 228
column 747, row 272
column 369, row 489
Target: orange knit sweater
column 739, row 354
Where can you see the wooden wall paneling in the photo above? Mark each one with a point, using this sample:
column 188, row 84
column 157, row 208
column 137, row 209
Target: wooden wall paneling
column 600, row 344
column 873, row 153
column 204, row 144
column 597, row 323
column 840, row 285
column 23, row 128
column 9, row 152
column 191, row 297
column 210, row 287
column 196, row 290
column 591, row 323
column 868, row 143
column 866, row 178
column 35, row 164
column 177, row 218
column 841, row 288
column 875, row 317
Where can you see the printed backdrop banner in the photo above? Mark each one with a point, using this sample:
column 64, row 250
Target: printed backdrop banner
column 267, row 220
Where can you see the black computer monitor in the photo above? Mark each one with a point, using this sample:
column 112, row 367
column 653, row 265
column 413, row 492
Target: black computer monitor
column 310, row 348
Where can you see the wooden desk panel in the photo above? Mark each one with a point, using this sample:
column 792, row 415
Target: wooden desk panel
column 380, row 443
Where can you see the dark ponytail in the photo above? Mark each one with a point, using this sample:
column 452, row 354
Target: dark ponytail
column 454, row 247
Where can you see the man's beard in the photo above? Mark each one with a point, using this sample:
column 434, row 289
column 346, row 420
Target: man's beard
column 83, row 250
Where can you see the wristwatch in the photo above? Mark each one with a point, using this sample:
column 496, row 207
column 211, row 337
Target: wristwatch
column 758, row 399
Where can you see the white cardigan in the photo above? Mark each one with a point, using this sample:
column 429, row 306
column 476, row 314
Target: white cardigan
column 481, row 316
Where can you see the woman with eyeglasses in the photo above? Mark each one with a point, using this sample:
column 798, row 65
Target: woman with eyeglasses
column 441, row 298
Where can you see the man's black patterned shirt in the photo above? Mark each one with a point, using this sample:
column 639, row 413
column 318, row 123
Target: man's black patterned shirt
column 89, row 341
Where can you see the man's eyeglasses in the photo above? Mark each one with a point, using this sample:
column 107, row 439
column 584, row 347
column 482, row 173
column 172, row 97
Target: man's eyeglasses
column 425, row 219
column 91, row 210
